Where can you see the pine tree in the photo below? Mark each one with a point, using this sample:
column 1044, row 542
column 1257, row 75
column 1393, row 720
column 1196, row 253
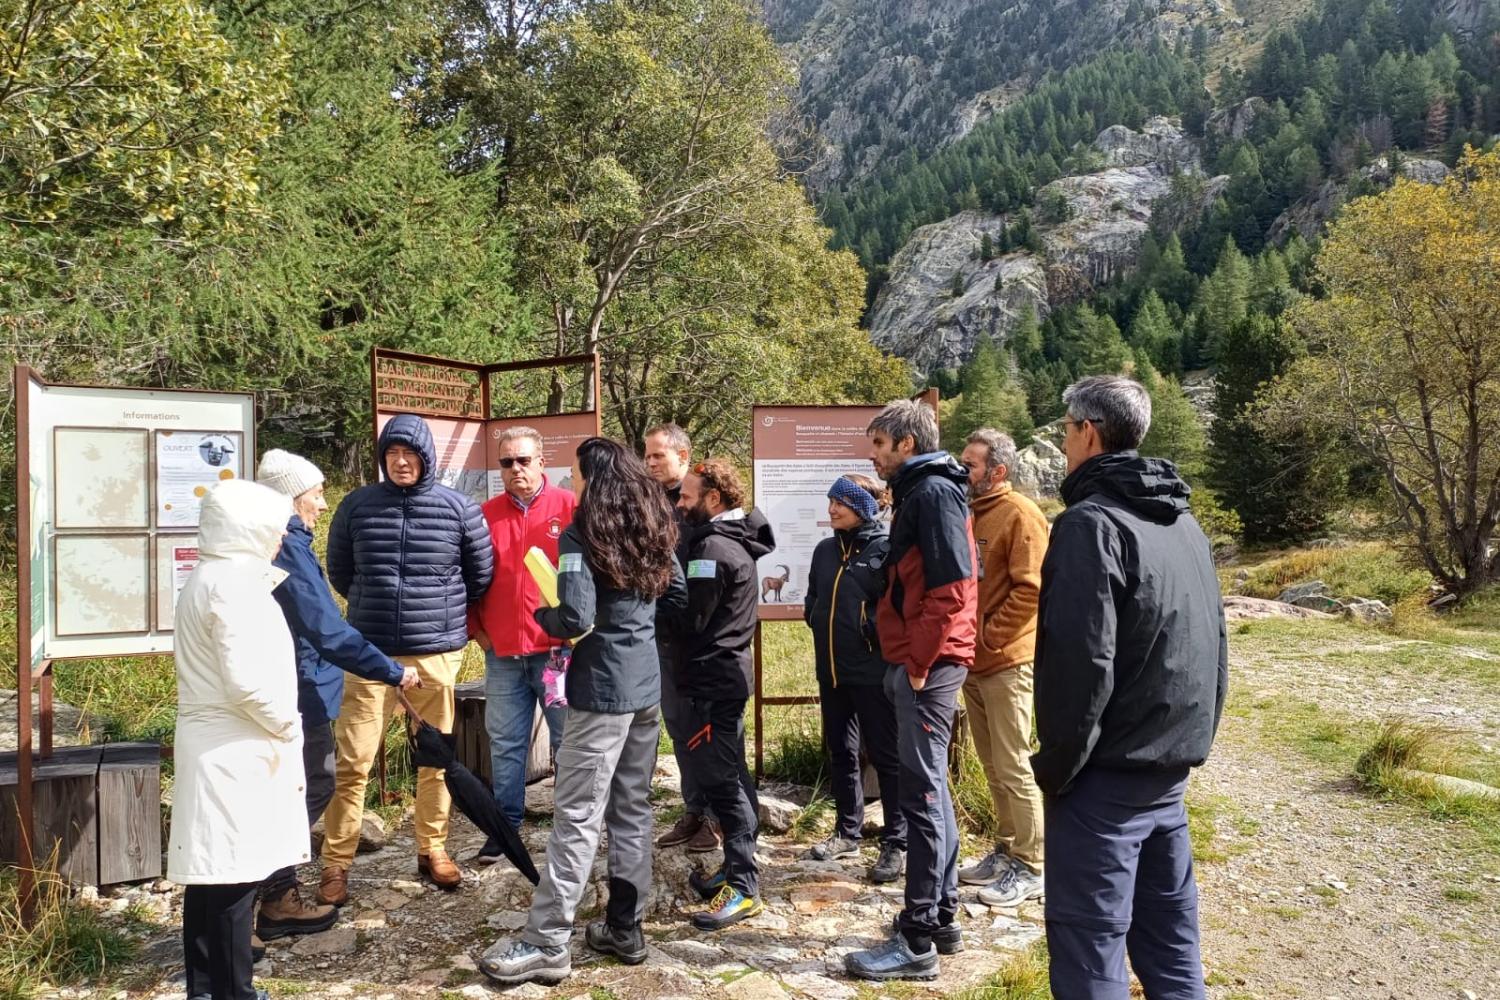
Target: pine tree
column 999, row 282
column 1153, row 332
column 1282, row 488
column 1171, row 277
column 986, row 248
column 957, row 288
column 1224, row 298
column 988, row 400
column 1176, row 431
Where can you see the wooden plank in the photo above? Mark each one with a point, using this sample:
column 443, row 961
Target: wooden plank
column 130, row 813
column 64, row 803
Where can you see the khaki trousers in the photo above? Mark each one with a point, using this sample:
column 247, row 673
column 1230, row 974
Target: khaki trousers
column 999, row 706
column 367, row 709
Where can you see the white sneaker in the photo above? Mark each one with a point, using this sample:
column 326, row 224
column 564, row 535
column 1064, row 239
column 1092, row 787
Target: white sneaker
column 1015, row 886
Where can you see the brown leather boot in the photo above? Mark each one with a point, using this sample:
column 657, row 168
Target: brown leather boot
column 289, row 913
column 682, row 831
column 708, row 838
column 436, row 867
column 333, row 887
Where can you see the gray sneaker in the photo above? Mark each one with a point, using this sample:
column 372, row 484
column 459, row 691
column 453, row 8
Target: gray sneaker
column 835, row 848
column 991, row 867
column 516, row 961
column 1015, row 886
column 892, row 960
column 889, row 866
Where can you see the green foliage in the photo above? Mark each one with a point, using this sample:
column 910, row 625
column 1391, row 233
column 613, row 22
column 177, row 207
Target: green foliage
column 113, row 113
column 1176, row 432
column 1370, row 569
column 989, row 399
column 1153, row 332
column 1223, row 299
column 1283, row 484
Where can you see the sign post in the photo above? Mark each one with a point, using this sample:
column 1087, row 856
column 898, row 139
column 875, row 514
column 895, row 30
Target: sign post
column 796, row 453
column 109, row 482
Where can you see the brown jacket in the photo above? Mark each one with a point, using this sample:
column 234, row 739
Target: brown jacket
column 1010, row 532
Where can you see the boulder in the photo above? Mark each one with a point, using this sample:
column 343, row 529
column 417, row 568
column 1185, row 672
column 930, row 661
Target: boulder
column 1309, row 215
column 777, row 814
column 1238, row 609
column 1040, row 469
column 1310, row 588
column 1366, row 609
column 1159, row 142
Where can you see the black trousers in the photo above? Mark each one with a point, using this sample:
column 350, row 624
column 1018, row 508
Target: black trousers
column 855, row 714
column 716, row 753
column 216, row 925
column 317, row 762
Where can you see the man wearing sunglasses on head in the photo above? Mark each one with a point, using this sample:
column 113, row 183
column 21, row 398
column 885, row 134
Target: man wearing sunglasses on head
column 531, row 512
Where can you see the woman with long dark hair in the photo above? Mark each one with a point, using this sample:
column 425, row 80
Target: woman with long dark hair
column 615, row 565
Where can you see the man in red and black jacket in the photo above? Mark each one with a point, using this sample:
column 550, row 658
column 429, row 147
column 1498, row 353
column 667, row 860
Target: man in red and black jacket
column 926, row 622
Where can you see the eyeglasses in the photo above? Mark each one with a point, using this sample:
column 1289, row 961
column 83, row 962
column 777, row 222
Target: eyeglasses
column 522, row 460
column 1070, row 422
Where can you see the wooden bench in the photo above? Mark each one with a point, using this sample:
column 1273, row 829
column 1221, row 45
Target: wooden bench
column 97, row 806
column 473, row 740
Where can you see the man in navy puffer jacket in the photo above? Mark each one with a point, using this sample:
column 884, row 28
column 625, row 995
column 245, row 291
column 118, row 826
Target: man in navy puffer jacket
column 410, row 555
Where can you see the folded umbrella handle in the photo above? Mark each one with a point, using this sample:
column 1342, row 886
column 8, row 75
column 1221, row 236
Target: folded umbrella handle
column 411, row 712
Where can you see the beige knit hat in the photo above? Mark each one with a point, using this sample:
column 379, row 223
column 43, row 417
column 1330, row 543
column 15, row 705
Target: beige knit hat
column 288, row 473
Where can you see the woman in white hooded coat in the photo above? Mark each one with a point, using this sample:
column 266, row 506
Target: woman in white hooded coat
column 237, row 812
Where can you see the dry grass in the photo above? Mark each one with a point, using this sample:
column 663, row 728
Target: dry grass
column 65, row 942
column 1403, row 758
column 1369, row 569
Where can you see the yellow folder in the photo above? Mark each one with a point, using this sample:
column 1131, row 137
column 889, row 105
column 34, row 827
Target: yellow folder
column 544, row 573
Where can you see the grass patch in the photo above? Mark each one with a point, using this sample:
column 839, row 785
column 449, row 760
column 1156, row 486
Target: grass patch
column 65, row 943
column 1023, row 977
column 1203, row 814
column 972, row 802
column 809, row 821
column 1459, row 894
column 1407, row 761
column 1369, row 569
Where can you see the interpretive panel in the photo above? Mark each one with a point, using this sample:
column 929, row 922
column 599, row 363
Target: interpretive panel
column 799, row 452
column 100, row 478
column 101, row 584
column 188, row 465
column 176, row 558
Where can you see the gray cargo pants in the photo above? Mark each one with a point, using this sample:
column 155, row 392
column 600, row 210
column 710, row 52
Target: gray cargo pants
column 604, row 770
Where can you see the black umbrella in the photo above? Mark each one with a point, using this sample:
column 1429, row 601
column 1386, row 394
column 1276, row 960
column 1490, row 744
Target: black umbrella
column 430, row 748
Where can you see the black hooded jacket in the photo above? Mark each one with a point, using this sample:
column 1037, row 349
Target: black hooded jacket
column 1132, row 657
column 844, row 585
column 410, row 560
column 711, row 639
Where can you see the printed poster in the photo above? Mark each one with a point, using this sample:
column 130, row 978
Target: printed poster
column 188, row 465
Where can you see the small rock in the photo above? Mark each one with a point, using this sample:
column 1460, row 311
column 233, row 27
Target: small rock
column 507, row 920
column 818, row 986
column 813, row 899
column 777, row 815
column 163, row 885
column 474, row 991
column 756, row 986
column 410, row 889
column 1311, row 588
column 369, row 920
column 388, row 899
column 530, row 991
column 693, row 952
column 338, row 941
column 1367, row 610
column 976, row 910
column 462, row 961
column 1340, row 886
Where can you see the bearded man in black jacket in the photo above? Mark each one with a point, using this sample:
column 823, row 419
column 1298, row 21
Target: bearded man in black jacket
column 1132, row 666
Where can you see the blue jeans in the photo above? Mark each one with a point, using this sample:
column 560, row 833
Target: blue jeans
column 512, row 691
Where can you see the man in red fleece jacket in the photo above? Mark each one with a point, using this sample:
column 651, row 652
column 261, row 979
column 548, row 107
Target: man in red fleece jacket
column 531, row 512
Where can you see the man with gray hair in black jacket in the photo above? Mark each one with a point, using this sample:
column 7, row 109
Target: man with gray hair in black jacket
column 1132, row 666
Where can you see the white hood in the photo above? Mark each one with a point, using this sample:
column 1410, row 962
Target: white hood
column 243, row 519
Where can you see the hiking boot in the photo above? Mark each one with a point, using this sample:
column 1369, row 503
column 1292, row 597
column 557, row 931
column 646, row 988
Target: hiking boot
column 948, row 939
column 516, row 961
column 436, row 867
column 991, row 867
column 889, row 866
column 289, row 913
column 893, row 960
column 706, row 886
column 708, row 838
column 333, row 885
column 1015, row 886
column 835, row 848
column 730, row 906
column 490, row 853
column 682, row 831
column 625, row 943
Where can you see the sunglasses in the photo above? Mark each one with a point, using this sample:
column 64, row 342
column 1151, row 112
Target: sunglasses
column 522, row 460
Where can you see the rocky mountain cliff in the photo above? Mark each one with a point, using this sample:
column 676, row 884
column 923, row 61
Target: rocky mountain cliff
column 879, row 77
column 1103, row 218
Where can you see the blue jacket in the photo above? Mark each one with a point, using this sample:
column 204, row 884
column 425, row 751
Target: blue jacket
column 326, row 644
column 410, row 560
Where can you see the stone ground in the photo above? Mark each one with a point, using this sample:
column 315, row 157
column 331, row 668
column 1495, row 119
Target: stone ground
column 1311, row 889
